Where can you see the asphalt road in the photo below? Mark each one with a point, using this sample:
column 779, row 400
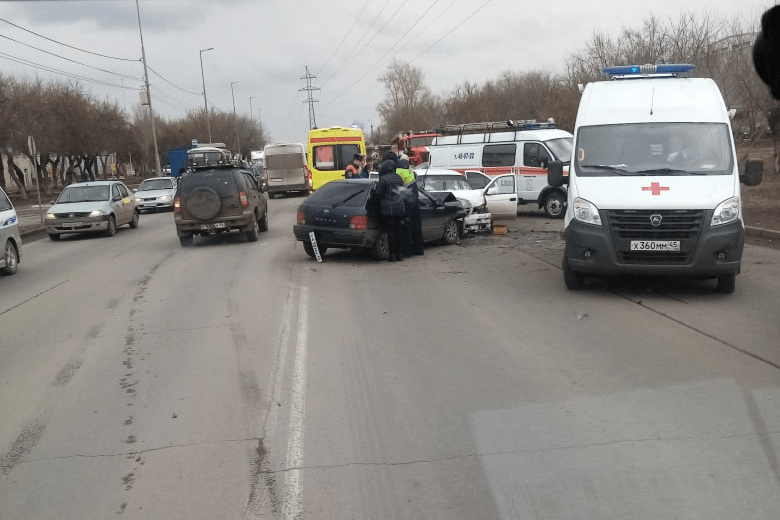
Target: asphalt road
column 139, row 379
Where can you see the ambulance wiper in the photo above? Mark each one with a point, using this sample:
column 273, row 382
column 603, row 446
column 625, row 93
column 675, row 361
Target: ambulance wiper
column 663, row 170
column 620, row 171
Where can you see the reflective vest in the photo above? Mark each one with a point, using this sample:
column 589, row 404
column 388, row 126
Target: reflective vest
column 406, row 174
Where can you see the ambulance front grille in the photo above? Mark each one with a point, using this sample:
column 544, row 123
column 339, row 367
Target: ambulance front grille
column 682, row 225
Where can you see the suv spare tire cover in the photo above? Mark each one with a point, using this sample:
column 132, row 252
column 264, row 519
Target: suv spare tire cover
column 204, row 203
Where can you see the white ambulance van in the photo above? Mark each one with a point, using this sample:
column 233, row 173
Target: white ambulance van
column 523, row 148
column 653, row 179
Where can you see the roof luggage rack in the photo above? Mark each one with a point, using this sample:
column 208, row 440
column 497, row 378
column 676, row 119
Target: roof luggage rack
column 494, row 126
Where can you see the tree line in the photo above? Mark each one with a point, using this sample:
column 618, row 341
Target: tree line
column 720, row 49
column 74, row 133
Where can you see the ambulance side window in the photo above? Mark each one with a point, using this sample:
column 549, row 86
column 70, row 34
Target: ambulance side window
column 535, row 155
column 499, row 155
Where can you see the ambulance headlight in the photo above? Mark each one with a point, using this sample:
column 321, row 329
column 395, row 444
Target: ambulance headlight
column 726, row 212
column 585, row 211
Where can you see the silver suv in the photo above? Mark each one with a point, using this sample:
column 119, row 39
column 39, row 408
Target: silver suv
column 10, row 238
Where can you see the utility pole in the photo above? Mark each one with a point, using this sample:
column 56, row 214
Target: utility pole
column 309, row 99
column 148, row 95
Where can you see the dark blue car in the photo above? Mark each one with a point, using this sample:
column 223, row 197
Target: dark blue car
column 343, row 215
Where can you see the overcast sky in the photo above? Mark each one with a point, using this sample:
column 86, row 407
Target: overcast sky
column 263, row 47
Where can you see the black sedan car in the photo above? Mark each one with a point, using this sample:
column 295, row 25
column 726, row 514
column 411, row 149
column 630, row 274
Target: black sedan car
column 343, row 214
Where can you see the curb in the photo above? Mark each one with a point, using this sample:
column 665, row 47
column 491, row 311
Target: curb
column 760, row 232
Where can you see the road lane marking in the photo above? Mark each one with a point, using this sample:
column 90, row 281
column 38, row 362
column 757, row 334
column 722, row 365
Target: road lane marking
column 293, row 485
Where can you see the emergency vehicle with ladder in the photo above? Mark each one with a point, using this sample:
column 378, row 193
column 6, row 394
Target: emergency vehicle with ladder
column 523, row 148
column 416, row 145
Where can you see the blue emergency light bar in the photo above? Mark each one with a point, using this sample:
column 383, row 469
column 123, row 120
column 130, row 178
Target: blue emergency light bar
column 661, row 68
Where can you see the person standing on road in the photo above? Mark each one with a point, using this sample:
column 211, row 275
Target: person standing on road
column 368, row 166
column 391, row 206
column 412, row 225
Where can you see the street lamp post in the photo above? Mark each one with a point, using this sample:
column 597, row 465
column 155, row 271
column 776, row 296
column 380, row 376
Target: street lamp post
column 205, row 102
column 235, row 119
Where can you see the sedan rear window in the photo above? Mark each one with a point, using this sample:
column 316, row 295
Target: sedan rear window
column 341, row 194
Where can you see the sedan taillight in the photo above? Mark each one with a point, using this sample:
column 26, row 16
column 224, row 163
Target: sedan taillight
column 244, row 199
column 358, row 222
column 301, row 218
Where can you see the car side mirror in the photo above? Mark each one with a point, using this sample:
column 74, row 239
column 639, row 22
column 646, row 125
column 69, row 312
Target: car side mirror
column 555, row 175
column 493, row 190
column 135, row 190
column 754, row 172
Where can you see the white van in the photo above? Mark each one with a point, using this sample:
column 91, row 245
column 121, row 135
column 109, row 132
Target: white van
column 523, row 148
column 285, row 166
column 653, row 180
column 10, row 238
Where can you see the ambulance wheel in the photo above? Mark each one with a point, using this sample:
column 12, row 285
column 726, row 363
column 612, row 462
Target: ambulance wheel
column 727, row 283
column 572, row 279
column 554, row 205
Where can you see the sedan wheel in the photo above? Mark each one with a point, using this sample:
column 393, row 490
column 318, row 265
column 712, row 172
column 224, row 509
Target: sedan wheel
column 309, row 248
column 111, row 229
column 381, row 249
column 134, row 220
column 451, row 232
column 11, row 258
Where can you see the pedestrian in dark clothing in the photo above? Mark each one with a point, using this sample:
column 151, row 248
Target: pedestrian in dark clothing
column 390, row 211
column 368, row 167
column 413, row 242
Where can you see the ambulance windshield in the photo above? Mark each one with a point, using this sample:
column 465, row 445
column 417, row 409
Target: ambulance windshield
column 654, row 149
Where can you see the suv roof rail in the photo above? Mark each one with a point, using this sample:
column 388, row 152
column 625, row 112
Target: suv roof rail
column 495, row 126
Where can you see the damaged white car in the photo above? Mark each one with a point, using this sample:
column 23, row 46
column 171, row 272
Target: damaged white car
column 497, row 200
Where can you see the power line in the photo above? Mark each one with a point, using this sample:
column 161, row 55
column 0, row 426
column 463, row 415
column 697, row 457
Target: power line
column 354, row 23
column 448, row 33
column 399, row 40
column 62, row 72
column 65, row 44
column 68, row 59
column 171, row 84
column 360, row 41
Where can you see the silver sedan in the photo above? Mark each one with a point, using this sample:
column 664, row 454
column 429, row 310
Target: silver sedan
column 87, row 207
column 155, row 193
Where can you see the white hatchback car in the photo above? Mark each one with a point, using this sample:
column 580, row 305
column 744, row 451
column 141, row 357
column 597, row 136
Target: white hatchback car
column 497, row 200
column 10, row 238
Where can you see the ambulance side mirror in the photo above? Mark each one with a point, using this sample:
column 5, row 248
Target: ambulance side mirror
column 555, row 174
column 754, row 172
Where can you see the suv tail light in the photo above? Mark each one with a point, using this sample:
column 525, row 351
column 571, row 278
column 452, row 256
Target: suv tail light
column 358, row 222
column 244, row 199
column 301, row 218
column 308, row 175
column 177, row 204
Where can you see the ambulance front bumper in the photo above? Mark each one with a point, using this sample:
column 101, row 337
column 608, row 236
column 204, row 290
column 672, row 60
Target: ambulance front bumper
column 710, row 252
